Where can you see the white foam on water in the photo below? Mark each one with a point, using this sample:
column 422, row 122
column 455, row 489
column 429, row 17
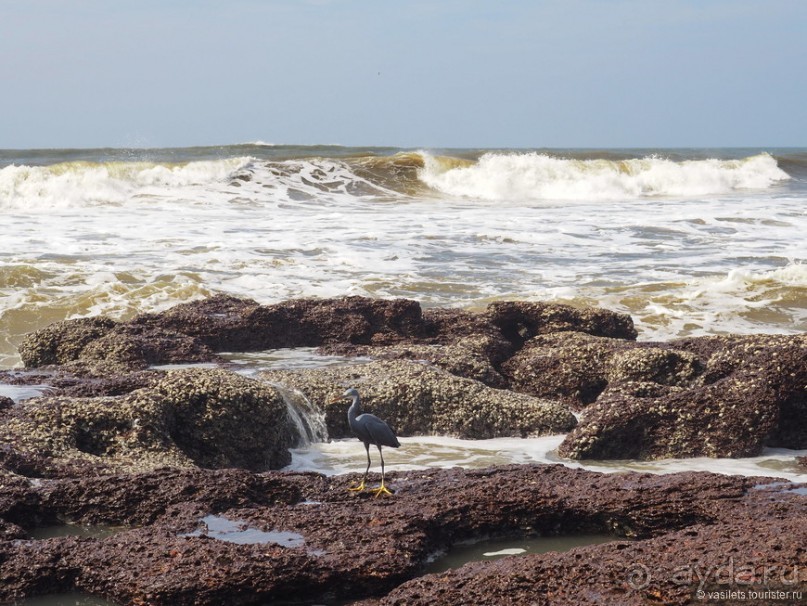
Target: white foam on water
column 78, row 184
column 118, row 239
column 423, row 452
column 537, row 176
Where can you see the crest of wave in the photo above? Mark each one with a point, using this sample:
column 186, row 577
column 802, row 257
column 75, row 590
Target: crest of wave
column 536, row 176
column 71, row 184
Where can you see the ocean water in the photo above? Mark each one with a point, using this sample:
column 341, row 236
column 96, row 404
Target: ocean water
column 687, row 241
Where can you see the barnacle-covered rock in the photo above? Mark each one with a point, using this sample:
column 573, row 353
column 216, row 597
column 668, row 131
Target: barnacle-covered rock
column 748, row 394
column 62, row 342
column 206, row 418
column 417, row 398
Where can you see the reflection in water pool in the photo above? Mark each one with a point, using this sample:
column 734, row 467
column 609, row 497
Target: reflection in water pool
column 237, row 531
column 93, row 531
column 494, row 549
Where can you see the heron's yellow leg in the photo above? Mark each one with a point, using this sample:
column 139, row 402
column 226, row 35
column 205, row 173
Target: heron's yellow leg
column 381, row 490
column 360, row 487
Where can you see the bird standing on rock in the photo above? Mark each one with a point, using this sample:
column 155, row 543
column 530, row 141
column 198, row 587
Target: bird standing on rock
column 370, row 430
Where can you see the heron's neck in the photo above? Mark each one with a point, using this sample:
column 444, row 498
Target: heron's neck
column 354, row 410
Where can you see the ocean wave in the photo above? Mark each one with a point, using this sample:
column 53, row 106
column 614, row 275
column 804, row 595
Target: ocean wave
column 539, row 176
column 84, row 183
column 375, row 175
column 741, row 301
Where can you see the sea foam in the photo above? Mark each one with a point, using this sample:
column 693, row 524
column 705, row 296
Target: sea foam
column 77, row 184
column 538, row 176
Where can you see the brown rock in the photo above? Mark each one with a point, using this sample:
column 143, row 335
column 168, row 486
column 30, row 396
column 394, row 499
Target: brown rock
column 347, row 546
column 5, row 403
column 520, row 321
column 417, row 399
column 62, row 342
column 751, row 393
column 207, row 418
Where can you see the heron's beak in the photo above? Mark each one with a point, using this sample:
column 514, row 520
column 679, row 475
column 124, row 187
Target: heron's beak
column 335, row 400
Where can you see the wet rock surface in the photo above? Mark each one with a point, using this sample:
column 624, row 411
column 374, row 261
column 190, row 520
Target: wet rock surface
column 706, row 396
column 354, row 546
column 168, row 455
column 417, row 399
column 745, row 393
column 206, row 418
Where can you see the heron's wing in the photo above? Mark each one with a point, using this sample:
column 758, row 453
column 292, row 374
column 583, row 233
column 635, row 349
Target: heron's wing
column 378, row 431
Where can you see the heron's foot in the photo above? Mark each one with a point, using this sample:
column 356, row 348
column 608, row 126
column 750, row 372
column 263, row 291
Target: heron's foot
column 381, row 490
column 358, row 488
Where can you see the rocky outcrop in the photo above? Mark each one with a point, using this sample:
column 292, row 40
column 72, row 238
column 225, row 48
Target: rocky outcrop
column 191, row 332
column 577, row 367
column 705, row 396
column 172, row 458
column 519, row 321
column 205, row 418
column 418, row 399
column 306, row 537
column 62, row 342
column 745, row 393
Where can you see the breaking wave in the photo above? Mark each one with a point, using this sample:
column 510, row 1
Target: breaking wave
column 281, row 174
column 538, row 176
column 83, row 183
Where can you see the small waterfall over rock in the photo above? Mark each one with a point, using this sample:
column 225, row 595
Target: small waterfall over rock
column 307, row 418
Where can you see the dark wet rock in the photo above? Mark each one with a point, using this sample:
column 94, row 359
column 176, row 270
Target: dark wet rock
column 706, row 396
column 466, row 358
column 748, row 394
column 577, row 367
column 5, row 403
column 219, row 322
column 225, row 323
column 633, row 573
column 802, row 462
column 111, row 384
column 416, row 399
column 198, row 417
column 140, row 499
column 520, row 321
column 353, row 546
column 62, row 342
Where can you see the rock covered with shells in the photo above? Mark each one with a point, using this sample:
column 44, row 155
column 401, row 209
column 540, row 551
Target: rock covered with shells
column 702, row 396
column 201, row 417
column 417, row 399
column 728, row 399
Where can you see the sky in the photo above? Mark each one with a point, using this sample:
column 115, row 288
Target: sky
column 418, row 73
